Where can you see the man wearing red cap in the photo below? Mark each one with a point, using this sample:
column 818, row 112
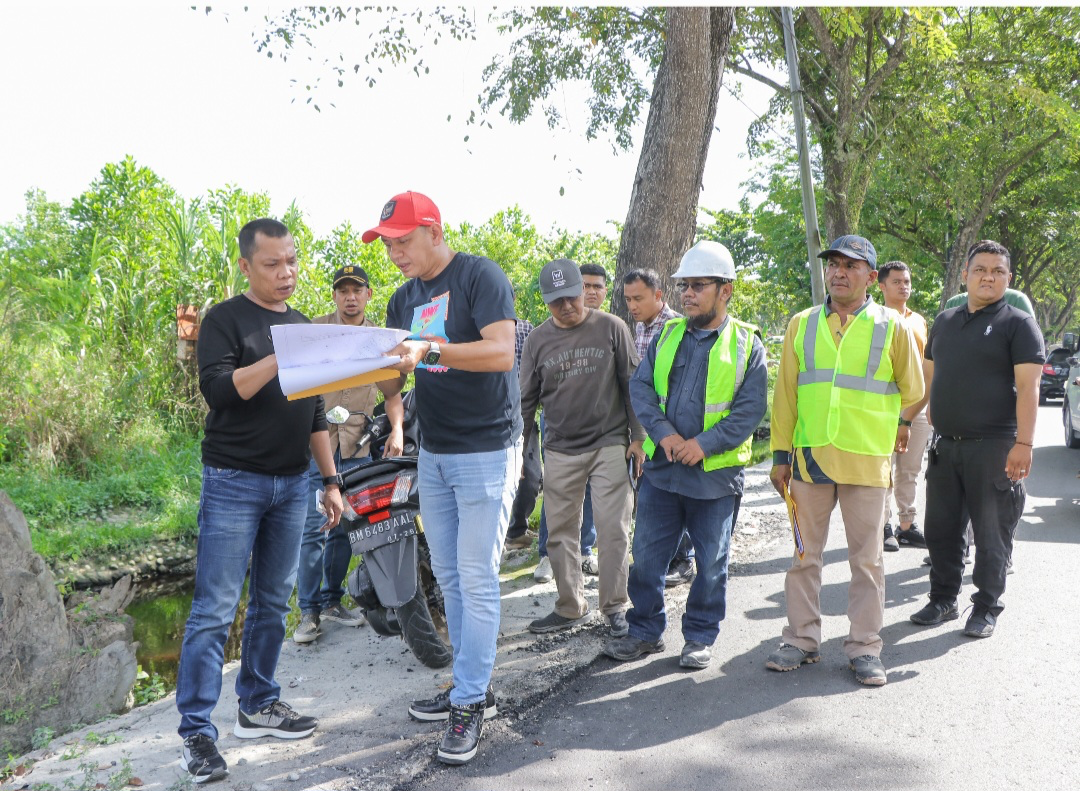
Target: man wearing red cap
column 460, row 309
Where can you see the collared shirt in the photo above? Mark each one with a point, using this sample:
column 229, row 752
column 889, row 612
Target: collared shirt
column 521, row 332
column 976, row 354
column 828, row 464
column 645, row 333
column 685, row 415
column 917, row 324
column 355, row 399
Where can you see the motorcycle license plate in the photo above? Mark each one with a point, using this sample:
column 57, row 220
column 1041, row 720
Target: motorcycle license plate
column 377, row 534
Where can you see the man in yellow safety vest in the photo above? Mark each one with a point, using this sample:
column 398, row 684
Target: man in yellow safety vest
column 847, row 369
column 700, row 392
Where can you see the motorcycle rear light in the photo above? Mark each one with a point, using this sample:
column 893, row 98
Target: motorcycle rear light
column 378, row 516
column 1048, row 369
column 372, row 498
column 402, row 487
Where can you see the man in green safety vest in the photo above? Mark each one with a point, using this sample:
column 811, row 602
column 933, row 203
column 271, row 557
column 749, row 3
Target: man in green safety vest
column 847, row 369
column 699, row 392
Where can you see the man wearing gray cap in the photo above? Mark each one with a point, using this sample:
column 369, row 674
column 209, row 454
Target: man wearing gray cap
column 578, row 365
column 847, row 369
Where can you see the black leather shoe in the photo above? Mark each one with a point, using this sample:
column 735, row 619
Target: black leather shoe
column 935, row 612
column 981, row 623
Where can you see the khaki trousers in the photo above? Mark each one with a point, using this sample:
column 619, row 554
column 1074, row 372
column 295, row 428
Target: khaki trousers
column 905, row 473
column 861, row 508
column 565, row 477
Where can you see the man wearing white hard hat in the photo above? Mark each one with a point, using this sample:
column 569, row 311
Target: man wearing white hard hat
column 699, row 392
column 847, row 369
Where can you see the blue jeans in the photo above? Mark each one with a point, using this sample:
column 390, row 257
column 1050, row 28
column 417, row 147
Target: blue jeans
column 465, row 503
column 242, row 516
column 660, row 521
column 324, row 557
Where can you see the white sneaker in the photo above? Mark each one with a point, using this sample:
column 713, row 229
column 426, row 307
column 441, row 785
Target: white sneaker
column 543, row 571
column 308, row 630
column 590, row 565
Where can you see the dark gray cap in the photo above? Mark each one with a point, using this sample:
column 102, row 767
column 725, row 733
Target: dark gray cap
column 561, row 278
column 853, row 246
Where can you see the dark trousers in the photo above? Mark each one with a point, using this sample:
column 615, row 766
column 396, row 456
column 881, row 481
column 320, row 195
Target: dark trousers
column 528, row 489
column 970, row 474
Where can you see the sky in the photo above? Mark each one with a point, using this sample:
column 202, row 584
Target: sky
column 186, row 94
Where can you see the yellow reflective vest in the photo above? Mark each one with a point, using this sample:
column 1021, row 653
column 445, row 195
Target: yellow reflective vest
column 728, row 361
column 846, row 396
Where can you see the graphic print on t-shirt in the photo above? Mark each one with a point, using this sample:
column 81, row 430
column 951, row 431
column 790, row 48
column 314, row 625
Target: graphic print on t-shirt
column 429, row 324
column 574, row 362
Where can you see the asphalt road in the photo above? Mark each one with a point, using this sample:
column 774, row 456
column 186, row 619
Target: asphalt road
column 956, row 714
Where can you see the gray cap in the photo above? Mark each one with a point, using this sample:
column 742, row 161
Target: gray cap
column 857, row 247
column 561, row 278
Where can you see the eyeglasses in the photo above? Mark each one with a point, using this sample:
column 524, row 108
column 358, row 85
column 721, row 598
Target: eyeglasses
column 697, row 288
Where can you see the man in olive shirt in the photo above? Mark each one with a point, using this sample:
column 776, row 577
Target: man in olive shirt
column 325, row 554
column 578, row 365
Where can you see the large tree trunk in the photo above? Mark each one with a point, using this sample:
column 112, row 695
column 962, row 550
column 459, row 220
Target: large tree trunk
column 662, row 218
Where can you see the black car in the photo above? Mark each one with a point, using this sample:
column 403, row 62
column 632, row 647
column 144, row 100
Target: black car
column 1054, row 374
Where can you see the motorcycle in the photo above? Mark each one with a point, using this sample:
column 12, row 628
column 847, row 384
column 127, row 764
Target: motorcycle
column 393, row 584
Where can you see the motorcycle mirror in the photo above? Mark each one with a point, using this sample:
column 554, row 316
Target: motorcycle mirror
column 338, row 415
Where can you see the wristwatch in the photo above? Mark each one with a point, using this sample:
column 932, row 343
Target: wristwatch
column 433, row 355
column 905, row 422
column 334, row 480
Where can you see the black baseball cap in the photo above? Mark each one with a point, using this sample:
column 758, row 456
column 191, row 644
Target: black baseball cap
column 353, row 273
column 853, row 247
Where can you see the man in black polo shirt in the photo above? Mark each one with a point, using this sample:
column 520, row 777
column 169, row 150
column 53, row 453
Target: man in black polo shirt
column 983, row 362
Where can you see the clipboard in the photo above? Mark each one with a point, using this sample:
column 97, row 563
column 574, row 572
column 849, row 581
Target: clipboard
column 793, row 517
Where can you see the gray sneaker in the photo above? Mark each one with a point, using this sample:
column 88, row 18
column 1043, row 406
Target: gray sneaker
column 868, row 670
column 553, row 622
column 624, row 649
column 695, row 655
column 308, row 630
column 617, row 624
column 590, row 565
column 278, row 720
column 788, row 657
column 339, row 614
column 543, row 571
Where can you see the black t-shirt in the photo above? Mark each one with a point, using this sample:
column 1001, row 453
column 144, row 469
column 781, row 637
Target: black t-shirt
column 460, row 411
column 267, row 433
column 973, row 393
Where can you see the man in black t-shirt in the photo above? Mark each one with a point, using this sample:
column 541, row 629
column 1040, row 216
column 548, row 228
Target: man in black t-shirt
column 982, row 368
column 255, row 453
column 460, row 309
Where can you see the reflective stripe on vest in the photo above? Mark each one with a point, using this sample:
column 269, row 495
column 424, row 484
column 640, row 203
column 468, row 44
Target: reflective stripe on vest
column 730, row 353
column 846, row 395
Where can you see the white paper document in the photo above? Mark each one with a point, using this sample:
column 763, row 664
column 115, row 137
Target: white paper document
column 313, row 355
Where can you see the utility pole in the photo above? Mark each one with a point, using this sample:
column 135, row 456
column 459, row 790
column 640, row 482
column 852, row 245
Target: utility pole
column 813, row 238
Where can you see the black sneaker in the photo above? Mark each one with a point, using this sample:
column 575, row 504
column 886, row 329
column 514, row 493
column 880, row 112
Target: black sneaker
column 890, row 543
column 553, row 622
column 438, row 708
column 624, row 649
column 462, row 737
column 935, row 612
column 201, row 759
column 278, row 719
column 912, row 537
column 981, row 623
column 681, row 572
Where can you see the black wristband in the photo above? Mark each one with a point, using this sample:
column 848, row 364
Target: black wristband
column 905, row 422
column 334, row 480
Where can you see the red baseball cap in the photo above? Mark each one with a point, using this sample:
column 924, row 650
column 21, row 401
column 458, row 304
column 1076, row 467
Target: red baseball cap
column 403, row 213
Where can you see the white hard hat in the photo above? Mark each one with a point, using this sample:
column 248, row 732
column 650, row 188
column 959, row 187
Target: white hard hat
column 706, row 259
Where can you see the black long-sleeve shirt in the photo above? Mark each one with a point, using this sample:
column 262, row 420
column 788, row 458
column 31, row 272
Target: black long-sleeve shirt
column 267, row 433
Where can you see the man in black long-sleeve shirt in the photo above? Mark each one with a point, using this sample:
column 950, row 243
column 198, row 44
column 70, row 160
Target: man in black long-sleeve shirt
column 252, row 506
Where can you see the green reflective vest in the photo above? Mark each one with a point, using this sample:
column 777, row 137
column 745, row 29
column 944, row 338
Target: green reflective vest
column 728, row 360
column 846, row 396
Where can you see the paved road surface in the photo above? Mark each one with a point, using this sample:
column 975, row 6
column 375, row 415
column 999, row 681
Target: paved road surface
column 956, row 714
